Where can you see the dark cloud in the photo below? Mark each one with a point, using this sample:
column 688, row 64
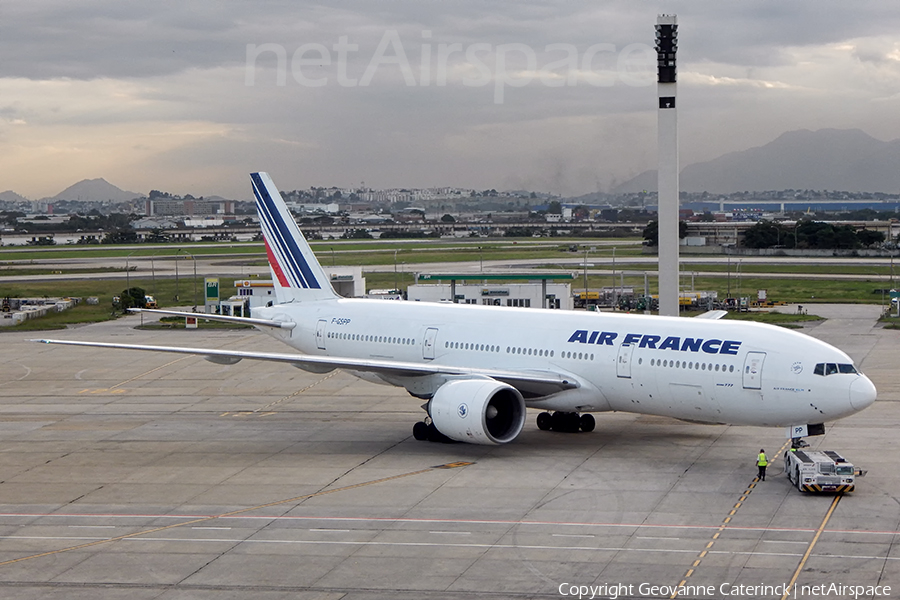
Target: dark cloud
column 113, row 63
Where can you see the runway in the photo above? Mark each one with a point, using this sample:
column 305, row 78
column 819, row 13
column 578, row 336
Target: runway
column 142, row 476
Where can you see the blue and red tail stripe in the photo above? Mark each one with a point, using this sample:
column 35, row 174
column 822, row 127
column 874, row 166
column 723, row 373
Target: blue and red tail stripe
column 285, row 255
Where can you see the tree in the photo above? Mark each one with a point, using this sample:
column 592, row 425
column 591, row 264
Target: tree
column 122, row 235
column 764, row 234
column 651, row 232
column 356, row 234
column 157, row 236
column 554, row 208
column 869, row 238
column 133, row 297
column 448, row 218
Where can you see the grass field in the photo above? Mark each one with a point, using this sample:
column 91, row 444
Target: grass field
column 405, row 254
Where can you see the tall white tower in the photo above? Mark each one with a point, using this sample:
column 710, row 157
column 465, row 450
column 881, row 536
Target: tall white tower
column 666, row 46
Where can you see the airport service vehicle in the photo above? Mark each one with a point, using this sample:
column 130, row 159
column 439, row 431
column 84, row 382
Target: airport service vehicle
column 480, row 367
column 819, row 471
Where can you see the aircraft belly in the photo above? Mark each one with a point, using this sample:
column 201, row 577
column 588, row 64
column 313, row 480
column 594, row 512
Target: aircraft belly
column 584, row 399
column 635, row 395
column 691, row 401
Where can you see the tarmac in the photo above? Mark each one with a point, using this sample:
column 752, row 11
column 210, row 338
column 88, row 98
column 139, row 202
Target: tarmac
column 152, row 476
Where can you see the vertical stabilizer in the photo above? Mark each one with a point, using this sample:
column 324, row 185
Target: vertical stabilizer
column 296, row 273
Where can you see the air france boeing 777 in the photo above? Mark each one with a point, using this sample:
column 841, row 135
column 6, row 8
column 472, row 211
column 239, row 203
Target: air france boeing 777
column 479, row 367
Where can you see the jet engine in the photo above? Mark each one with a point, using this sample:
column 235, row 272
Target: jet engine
column 478, row 411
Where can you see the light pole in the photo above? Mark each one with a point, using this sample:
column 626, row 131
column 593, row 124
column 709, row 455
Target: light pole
column 586, row 250
column 615, row 291
column 180, row 250
column 728, row 277
column 128, row 272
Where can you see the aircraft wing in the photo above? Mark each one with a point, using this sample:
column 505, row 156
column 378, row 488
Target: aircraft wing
column 530, row 383
column 712, row 314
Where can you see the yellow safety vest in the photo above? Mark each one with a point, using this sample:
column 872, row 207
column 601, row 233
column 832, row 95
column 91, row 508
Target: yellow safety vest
column 762, row 461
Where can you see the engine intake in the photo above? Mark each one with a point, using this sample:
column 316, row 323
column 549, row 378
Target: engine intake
column 478, row 411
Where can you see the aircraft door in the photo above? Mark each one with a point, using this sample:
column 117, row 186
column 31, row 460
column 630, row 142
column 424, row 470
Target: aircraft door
column 428, row 347
column 752, row 375
column 623, row 361
column 320, row 333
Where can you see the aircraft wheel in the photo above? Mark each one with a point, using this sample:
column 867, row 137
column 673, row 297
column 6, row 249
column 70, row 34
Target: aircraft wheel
column 567, row 422
column 544, row 421
column 436, row 436
column 587, row 422
column 420, row 431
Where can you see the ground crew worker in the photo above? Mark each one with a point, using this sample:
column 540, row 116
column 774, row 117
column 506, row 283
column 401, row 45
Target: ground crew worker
column 762, row 461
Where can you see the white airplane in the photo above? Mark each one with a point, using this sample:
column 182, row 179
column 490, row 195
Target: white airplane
column 479, row 367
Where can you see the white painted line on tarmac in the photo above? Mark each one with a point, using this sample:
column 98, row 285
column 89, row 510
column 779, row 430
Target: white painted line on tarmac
column 592, row 525
column 456, row 545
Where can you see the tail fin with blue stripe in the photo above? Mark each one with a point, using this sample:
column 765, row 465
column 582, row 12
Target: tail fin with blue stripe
column 296, row 273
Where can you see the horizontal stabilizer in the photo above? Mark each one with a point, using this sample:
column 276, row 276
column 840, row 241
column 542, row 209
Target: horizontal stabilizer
column 712, row 314
column 221, row 318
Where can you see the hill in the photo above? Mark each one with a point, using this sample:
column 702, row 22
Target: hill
column 95, row 190
column 827, row 159
column 11, row 196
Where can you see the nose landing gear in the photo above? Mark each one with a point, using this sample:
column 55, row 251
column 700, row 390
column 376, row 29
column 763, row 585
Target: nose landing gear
column 568, row 422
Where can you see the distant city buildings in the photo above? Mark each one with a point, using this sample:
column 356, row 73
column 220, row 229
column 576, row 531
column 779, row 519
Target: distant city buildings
column 189, row 207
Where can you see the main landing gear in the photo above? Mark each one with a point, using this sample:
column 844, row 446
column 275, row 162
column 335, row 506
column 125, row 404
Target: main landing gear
column 567, row 422
column 426, row 431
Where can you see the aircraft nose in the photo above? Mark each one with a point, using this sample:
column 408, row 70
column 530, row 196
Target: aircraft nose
column 862, row 393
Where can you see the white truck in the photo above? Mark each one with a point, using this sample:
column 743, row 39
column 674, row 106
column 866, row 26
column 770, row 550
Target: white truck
column 820, row 471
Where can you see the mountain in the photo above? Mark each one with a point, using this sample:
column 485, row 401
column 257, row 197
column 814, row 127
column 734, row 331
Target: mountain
column 827, row 159
column 95, row 190
column 11, row 196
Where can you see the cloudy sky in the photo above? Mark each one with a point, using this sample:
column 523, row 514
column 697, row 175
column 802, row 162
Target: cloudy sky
column 552, row 95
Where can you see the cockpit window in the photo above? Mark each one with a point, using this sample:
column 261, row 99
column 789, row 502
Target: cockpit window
column 825, row 369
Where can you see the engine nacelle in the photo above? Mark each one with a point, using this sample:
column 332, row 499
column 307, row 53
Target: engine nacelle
column 478, row 411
